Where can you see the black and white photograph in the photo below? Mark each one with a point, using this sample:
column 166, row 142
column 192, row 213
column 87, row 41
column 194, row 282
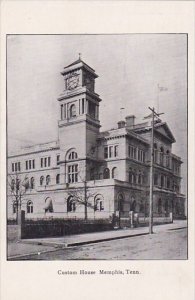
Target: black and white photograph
column 97, row 146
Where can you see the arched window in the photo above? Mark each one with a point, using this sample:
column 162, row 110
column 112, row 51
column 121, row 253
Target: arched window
column 120, row 202
column 106, row 174
column 73, row 155
column 57, row 178
column 14, row 207
column 29, row 207
column 72, row 111
column 71, row 204
column 48, row 205
column 26, row 183
column 32, row 183
column 99, row 203
column 41, row 180
column 133, row 205
column 159, row 206
column 48, row 179
column 114, row 173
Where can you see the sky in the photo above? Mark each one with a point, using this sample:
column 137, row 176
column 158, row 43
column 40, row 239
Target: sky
column 129, row 66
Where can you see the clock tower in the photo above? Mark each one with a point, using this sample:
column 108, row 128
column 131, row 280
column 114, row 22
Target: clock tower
column 78, row 123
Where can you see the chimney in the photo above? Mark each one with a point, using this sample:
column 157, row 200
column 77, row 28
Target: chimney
column 121, row 124
column 130, row 121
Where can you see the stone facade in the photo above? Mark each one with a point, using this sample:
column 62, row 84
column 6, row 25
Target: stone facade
column 107, row 170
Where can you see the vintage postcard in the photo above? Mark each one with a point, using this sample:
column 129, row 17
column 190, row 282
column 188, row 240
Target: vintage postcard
column 97, row 150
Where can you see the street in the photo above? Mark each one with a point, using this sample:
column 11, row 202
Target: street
column 168, row 244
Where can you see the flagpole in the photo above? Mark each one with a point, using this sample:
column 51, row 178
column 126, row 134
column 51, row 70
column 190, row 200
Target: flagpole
column 157, row 98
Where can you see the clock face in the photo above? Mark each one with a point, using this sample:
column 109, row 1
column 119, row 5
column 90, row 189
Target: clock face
column 72, row 82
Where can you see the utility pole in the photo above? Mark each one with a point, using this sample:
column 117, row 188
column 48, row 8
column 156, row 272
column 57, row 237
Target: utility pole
column 154, row 114
column 85, row 197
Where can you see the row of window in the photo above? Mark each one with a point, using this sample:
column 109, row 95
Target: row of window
column 136, row 153
column 70, row 111
column 71, row 205
column 162, row 206
column 16, row 167
column 30, row 163
column 30, row 183
column 44, row 162
column 107, row 175
column 161, row 157
column 165, row 182
column 110, row 151
column 29, row 207
column 176, row 168
column 136, row 177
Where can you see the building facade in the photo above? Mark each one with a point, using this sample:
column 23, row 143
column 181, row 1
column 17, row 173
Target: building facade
column 94, row 173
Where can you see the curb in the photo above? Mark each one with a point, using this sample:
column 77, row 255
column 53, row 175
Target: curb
column 61, row 246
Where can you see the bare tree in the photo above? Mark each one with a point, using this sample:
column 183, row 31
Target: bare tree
column 17, row 188
column 81, row 196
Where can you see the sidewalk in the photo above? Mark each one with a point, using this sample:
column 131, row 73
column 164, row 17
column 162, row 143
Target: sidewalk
column 29, row 246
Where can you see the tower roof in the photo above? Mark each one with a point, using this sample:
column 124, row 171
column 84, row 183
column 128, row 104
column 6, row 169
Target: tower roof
column 83, row 64
column 79, row 60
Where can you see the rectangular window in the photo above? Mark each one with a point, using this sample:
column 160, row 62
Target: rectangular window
column 19, row 166
column 45, row 162
column 12, row 167
column 65, row 111
column 91, row 109
column 30, row 164
column 161, row 158
column 110, row 151
column 105, row 152
column 132, row 152
column 61, row 111
column 83, row 105
column 72, row 173
column 16, row 167
column 58, row 159
column 116, row 151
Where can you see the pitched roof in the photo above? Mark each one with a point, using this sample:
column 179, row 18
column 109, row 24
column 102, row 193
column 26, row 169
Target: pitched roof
column 160, row 127
column 77, row 62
